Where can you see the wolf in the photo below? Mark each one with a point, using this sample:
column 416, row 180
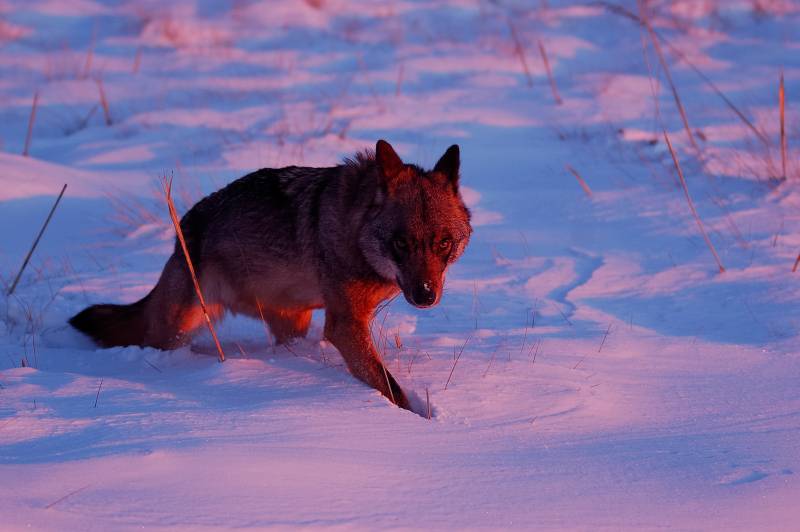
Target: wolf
column 279, row 243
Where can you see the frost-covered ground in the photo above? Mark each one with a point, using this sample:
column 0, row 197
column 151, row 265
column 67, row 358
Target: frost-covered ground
column 611, row 377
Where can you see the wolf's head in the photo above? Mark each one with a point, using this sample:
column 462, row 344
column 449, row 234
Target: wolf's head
column 420, row 225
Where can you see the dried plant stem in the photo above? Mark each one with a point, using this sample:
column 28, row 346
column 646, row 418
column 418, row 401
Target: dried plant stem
column 456, row 361
column 691, row 204
column 553, row 87
column 782, row 108
column 153, row 366
column 796, row 263
column 379, row 351
column 399, row 84
column 411, row 362
column 70, row 494
column 386, row 376
column 520, row 51
column 36, row 242
column 104, row 102
column 524, row 337
column 87, row 65
column 137, row 60
column 491, row 360
column 673, row 88
column 475, row 303
column 564, row 316
column 97, row 396
column 535, row 349
column 31, row 120
column 619, row 10
column 714, row 88
column 581, row 181
column 604, row 338
column 263, row 320
column 176, row 222
column 428, row 402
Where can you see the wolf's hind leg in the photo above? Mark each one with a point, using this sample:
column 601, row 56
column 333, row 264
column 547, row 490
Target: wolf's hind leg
column 175, row 311
column 287, row 324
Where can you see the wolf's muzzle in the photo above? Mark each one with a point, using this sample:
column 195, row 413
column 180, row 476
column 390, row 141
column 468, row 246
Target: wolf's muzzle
column 423, row 295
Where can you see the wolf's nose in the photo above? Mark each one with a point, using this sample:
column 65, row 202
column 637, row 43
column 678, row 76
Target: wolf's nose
column 424, row 295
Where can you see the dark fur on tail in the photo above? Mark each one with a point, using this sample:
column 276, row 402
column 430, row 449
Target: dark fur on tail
column 112, row 325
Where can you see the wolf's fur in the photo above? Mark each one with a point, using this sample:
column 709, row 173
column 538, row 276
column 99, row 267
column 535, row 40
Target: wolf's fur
column 282, row 242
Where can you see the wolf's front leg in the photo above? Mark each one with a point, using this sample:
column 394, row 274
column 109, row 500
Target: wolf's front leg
column 348, row 330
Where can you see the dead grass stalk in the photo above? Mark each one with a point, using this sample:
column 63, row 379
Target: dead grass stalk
column 551, row 79
column 456, row 360
column 167, row 183
column 580, row 179
column 31, row 120
column 36, row 241
column 520, row 51
column 782, row 110
column 691, row 204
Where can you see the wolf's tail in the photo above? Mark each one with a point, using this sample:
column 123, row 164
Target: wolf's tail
column 114, row 325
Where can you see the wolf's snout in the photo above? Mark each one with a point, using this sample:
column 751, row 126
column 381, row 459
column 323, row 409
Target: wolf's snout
column 423, row 294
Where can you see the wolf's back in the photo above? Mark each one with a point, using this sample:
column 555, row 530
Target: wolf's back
column 113, row 325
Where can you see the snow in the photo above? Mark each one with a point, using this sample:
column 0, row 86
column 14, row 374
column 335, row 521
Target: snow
column 610, row 378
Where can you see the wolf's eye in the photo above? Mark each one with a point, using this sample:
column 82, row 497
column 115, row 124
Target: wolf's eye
column 445, row 245
column 399, row 244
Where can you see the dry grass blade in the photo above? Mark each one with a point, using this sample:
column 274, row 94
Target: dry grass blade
column 456, row 360
column 104, row 102
column 524, row 337
column 691, row 204
column 581, row 181
column 545, row 60
column 87, row 65
column 564, row 316
column 428, row 402
column 619, row 10
column 96, row 397
column 137, row 60
column 491, row 360
column 176, row 222
column 382, row 349
column 796, row 263
column 782, row 109
column 535, row 349
column 411, row 361
column 604, row 338
column 36, row 242
column 399, row 83
column 70, row 494
column 386, row 376
column 241, row 350
column 520, row 51
column 714, row 88
column 264, row 321
column 153, row 366
column 31, row 120
column 673, row 88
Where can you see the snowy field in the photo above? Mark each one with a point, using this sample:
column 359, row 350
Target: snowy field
column 611, row 377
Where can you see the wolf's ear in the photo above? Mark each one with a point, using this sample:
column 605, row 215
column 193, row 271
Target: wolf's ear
column 389, row 163
column 449, row 165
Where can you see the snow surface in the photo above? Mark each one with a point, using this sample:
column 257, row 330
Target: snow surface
column 611, row 377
